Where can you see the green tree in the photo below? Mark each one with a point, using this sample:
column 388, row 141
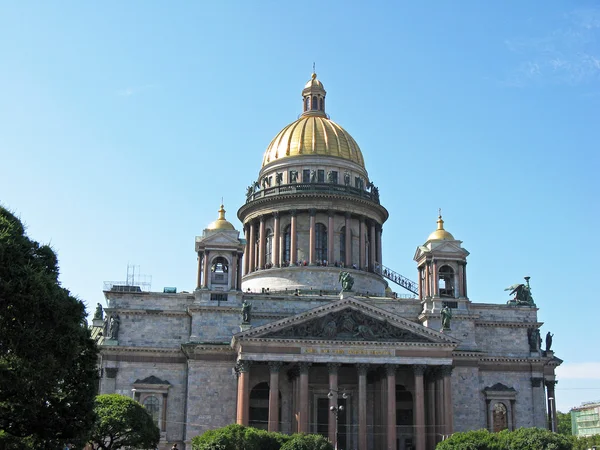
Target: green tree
column 239, row 437
column 307, row 442
column 564, row 423
column 47, row 358
column 122, row 422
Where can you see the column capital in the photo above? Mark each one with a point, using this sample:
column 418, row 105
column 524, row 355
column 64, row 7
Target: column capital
column 363, row 369
column 390, row 369
column 333, row 367
column 242, row 366
column 330, row 213
column 293, row 212
column 275, row 366
column 312, row 211
column 304, row 366
column 262, row 218
column 550, row 383
column 419, row 369
column 446, row 371
column 276, row 214
column 348, row 215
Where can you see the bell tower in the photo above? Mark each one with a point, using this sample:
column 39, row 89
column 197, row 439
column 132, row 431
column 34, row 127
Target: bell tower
column 442, row 267
column 220, row 252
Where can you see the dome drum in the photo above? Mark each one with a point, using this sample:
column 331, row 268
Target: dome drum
column 324, row 279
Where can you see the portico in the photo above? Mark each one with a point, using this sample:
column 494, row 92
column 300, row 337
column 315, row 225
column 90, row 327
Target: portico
column 376, row 365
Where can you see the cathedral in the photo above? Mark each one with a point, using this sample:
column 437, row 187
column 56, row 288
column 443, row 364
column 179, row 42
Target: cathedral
column 294, row 327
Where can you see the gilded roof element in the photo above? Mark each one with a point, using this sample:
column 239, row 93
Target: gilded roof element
column 440, row 233
column 313, row 134
column 221, row 223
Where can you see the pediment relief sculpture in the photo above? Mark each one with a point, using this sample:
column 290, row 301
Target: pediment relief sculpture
column 348, row 325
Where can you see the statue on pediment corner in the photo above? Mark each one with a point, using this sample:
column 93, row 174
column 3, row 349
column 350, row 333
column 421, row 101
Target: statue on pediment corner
column 347, row 281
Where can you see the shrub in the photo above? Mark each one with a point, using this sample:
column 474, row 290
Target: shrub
column 307, row 442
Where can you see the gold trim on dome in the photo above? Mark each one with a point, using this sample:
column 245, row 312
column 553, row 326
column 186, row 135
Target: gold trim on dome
column 221, row 223
column 440, row 233
column 313, row 135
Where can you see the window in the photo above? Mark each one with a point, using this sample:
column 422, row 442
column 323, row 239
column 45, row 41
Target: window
column 343, row 245
column 314, row 103
column 321, row 242
column 259, row 406
column 219, row 270
column 286, row 244
column 499, row 417
column 306, row 176
column 306, row 103
column 320, row 176
column 152, row 406
column 269, row 247
column 446, row 281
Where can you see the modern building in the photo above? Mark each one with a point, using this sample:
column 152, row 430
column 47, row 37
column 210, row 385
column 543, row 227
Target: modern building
column 293, row 325
column 585, row 419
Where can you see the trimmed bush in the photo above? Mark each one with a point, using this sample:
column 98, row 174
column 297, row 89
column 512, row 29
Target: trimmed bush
column 307, row 442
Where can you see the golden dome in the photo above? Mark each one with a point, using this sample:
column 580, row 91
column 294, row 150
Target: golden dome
column 440, row 233
column 313, row 133
column 221, row 223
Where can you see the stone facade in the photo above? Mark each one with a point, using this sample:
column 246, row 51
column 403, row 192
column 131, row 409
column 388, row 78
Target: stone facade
column 405, row 378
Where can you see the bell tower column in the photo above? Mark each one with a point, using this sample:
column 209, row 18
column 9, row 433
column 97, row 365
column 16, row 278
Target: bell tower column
column 372, row 251
column 363, row 243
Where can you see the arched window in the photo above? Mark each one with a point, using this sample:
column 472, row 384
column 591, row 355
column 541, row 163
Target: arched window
column 259, row 406
column 306, row 103
column 343, row 245
column 151, row 405
column 321, row 242
column 446, row 281
column 269, row 248
column 314, row 103
column 219, row 270
column 286, row 244
column 499, row 417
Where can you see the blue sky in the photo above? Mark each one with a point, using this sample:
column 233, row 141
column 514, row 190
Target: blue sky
column 122, row 124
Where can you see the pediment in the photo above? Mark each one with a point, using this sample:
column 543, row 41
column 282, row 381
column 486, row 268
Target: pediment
column 220, row 238
column 152, row 379
column 347, row 320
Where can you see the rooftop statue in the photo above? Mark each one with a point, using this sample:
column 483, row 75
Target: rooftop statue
column 246, row 312
column 522, row 294
column 347, row 281
column 446, row 315
column 99, row 314
column 549, row 337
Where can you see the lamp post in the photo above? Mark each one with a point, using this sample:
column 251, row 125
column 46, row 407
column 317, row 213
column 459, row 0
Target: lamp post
column 551, row 413
column 335, row 410
column 133, row 393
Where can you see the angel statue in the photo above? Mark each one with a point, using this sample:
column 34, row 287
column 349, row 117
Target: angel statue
column 347, row 281
column 522, row 294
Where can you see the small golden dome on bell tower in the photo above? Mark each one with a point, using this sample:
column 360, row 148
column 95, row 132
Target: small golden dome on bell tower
column 440, row 233
column 221, row 223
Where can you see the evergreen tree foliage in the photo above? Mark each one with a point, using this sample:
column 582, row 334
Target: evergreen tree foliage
column 48, row 376
column 121, row 422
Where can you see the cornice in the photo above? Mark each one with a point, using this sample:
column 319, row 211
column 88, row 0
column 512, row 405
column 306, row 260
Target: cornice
column 435, row 345
column 118, row 349
column 147, row 312
column 498, row 324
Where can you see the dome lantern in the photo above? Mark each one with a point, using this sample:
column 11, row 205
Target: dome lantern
column 313, row 97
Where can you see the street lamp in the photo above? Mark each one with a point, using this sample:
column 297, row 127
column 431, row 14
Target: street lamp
column 335, row 410
column 551, row 413
column 133, row 393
